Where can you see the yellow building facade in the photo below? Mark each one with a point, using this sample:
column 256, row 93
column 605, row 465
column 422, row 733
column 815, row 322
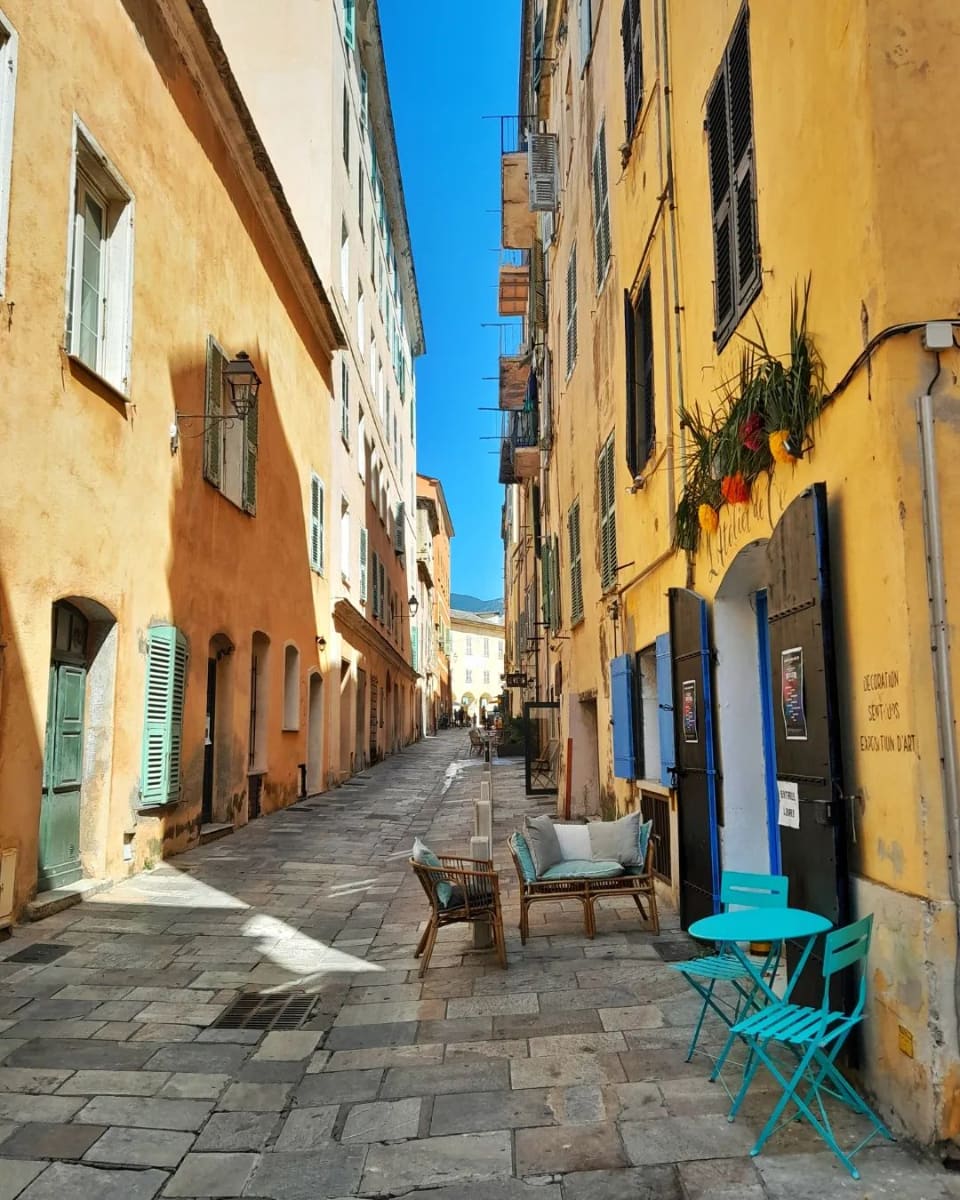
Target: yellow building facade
column 167, row 566
column 710, row 162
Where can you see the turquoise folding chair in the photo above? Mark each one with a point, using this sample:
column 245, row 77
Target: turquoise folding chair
column 703, row 974
column 815, row 1036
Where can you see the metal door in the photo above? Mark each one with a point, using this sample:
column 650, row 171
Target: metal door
column 59, row 834
column 206, row 803
column 806, row 728
column 696, row 773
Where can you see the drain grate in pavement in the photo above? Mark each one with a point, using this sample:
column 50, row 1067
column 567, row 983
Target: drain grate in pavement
column 261, row 1010
column 678, row 951
column 39, row 952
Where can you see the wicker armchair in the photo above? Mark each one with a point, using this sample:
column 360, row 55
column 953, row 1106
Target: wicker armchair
column 472, row 894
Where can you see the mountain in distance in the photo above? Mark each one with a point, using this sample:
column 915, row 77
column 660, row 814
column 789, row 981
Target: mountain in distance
column 471, row 604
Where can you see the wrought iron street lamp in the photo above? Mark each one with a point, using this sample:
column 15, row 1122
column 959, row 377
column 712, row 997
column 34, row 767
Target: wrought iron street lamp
column 244, row 383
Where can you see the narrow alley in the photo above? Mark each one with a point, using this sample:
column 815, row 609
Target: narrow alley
column 560, row 1079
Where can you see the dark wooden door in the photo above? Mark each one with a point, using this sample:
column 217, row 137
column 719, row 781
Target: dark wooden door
column 59, row 835
column 806, row 727
column 206, row 803
column 696, row 771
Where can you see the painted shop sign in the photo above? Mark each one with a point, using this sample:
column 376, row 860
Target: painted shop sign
column 791, row 694
column 882, row 707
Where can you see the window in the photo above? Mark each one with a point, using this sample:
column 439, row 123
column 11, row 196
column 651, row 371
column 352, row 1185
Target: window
column 101, row 265
column 363, row 564
column 344, row 260
column 632, row 61
column 382, row 568
column 362, row 446
column 345, row 548
column 291, row 688
column 550, row 574
column 468, row 647
column 468, row 675
column 361, row 320
column 373, row 363
column 259, row 698
column 601, row 207
column 316, row 523
column 571, row 311
column 737, row 278
column 163, row 715
column 486, row 677
column 345, row 400
column 641, row 430
column 585, row 30
column 230, row 447
column 486, row 650
column 350, row 22
column 346, row 127
column 383, row 504
column 608, row 516
column 576, row 577
column 376, row 585
column 8, row 84
column 500, row 650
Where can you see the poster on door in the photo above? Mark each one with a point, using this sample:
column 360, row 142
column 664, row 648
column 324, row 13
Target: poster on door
column 689, row 710
column 791, row 694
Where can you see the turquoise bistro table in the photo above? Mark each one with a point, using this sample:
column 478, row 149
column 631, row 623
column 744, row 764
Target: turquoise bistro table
column 772, row 925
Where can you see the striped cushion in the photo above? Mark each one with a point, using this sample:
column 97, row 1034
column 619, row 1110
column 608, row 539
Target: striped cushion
column 519, row 843
column 582, row 868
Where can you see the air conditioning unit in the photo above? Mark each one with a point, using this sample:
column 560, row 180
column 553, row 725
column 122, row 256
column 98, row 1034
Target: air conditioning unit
column 542, row 171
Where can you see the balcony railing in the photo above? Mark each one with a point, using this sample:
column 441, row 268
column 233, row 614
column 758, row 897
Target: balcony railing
column 514, row 283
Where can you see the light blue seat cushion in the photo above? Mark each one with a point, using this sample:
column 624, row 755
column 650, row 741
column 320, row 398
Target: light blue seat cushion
column 643, row 841
column 582, row 868
column 525, row 857
column 423, row 854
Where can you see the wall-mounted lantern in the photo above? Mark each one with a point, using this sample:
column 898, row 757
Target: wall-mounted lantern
column 244, row 383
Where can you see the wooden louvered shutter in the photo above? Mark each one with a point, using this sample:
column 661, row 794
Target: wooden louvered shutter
column 363, row 565
column 212, row 411
column 163, row 715
column 545, row 583
column 376, row 584
column 572, row 310
column 741, row 154
column 608, row 529
column 646, row 426
column 633, row 464
column 632, row 61
column 721, row 201
column 601, row 207
column 316, row 523
column 622, row 696
column 576, row 576
column 251, row 437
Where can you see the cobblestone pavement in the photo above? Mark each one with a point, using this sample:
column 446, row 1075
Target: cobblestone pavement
column 560, row 1079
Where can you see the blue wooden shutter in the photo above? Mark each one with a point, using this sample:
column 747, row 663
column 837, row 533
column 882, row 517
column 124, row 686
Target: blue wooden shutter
column 350, row 22
column 668, row 750
column 621, row 696
column 163, row 715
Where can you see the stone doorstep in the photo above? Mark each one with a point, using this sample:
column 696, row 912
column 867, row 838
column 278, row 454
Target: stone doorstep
column 45, row 904
column 215, row 830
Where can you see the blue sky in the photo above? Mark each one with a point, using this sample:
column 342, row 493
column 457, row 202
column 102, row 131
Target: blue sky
column 449, row 66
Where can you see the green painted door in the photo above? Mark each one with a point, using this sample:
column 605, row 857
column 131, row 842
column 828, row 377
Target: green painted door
column 59, row 852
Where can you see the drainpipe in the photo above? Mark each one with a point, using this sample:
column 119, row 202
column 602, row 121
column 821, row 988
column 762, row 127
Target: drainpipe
column 939, row 642
column 663, row 50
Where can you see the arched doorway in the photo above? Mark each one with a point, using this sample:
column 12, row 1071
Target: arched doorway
column 315, row 733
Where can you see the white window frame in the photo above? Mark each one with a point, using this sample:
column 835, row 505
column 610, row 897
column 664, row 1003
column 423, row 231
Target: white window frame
column 92, row 171
column 362, row 446
column 344, row 260
column 361, row 319
column 345, row 400
column 291, row 688
column 8, row 91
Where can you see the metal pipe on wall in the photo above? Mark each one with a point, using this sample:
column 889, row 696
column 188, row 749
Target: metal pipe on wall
column 939, row 642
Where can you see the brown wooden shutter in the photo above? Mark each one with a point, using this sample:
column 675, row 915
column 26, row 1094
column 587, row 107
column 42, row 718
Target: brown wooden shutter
column 632, row 61
column 646, row 421
column 741, row 153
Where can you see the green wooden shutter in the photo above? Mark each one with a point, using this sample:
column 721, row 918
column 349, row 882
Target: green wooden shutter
column 250, row 446
column 576, row 577
column 555, row 606
column 163, row 715
column 363, row 565
column 350, row 22
column 415, row 648
column 608, row 528
column 376, row 584
column 546, row 580
column 213, row 408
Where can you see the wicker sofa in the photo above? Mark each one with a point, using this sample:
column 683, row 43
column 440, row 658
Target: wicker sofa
column 583, row 880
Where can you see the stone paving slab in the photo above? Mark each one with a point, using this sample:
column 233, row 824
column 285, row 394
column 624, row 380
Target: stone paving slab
column 562, row 1078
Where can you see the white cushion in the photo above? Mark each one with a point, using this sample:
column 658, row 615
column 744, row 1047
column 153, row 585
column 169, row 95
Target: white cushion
column 574, row 841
